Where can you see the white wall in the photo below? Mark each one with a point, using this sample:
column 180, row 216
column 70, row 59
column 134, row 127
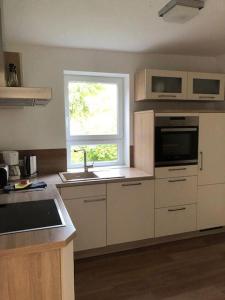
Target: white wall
column 44, row 128
column 221, row 63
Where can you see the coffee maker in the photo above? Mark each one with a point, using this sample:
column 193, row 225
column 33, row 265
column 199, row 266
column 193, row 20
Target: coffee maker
column 11, row 158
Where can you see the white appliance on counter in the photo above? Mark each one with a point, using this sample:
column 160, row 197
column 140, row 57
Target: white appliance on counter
column 11, row 158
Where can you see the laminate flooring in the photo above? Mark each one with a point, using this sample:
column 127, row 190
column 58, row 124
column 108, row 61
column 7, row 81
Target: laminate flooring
column 181, row 270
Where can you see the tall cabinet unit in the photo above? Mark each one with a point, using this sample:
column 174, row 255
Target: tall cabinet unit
column 211, row 174
column 144, row 140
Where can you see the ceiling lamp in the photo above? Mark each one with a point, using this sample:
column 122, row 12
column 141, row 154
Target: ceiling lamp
column 181, row 11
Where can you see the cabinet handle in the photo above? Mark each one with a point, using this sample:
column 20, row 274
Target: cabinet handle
column 201, row 161
column 177, row 169
column 131, row 184
column 207, row 97
column 94, row 200
column 176, row 209
column 178, row 180
column 167, row 96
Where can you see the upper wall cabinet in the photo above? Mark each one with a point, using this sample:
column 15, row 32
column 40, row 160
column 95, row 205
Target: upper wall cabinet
column 160, row 85
column 206, row 86
column 176, row 85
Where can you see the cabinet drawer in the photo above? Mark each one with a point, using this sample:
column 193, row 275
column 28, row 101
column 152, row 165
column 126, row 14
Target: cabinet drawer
column 177, row 171
column 83, row 191
column 174, row 220
column 175, row 191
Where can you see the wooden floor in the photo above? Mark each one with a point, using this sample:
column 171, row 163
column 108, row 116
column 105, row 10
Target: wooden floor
column 190, row 269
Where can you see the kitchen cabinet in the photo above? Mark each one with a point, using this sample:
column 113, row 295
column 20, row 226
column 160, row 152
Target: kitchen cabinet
column 175, row 191
column 144, row 140
column 87, row 210
column 206, row 86
column 130, row 211
column 211, row 148
column 176, row 171
column 160, row 85
column 211, row 206
column 175, row 220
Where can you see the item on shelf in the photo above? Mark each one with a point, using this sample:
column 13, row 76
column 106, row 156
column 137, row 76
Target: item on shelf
column 12, row 76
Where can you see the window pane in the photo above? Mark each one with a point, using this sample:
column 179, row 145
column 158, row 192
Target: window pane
column 95, row 153
column 93, row 108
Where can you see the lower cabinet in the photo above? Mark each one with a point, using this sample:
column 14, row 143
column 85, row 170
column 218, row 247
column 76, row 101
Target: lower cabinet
column 174, row 220
column 130, row 211
column 211, row 206
column 89, row 218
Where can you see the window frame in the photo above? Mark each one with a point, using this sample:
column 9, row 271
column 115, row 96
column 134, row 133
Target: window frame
column 118, row 139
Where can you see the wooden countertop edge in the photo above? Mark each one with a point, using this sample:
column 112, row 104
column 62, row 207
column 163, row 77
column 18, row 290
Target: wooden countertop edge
column 38, row 247
column 37, row 240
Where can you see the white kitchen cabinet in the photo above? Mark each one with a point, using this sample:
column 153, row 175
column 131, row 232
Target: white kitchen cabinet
column 174, row 220
column 211, row 206
column 160, row 85
column 130, row 211
column 175, row 191
column 87, row 210
column 206, row 86
column 176, row 171
column 211, row 148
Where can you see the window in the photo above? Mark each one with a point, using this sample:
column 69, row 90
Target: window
column 95, row 118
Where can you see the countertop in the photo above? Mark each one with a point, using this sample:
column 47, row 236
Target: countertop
column 40, row 240
column 36, row 240
column 104, row 176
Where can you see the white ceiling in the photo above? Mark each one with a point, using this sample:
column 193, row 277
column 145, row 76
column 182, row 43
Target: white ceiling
column 127, row 25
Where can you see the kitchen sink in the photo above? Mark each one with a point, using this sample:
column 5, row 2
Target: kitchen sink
column 32, row 215
column 68, row 176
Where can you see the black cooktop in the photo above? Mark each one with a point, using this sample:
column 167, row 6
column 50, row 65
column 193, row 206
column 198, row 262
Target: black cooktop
column 33, row 215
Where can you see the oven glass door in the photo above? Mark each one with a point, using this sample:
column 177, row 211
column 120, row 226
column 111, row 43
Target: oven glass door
column 176, row 145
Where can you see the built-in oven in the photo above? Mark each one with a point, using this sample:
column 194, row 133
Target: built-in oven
column 176, row 140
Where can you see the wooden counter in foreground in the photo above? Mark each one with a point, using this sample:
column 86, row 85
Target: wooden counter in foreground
column 37, row 265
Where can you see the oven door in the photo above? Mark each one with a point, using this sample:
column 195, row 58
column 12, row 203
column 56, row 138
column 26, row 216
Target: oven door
column 176, row 146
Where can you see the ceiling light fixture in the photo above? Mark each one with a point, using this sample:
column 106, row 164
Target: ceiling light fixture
column 181, row 11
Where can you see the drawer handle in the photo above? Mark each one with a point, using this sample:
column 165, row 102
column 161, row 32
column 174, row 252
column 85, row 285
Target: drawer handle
column 131, row 184
column 177, row 169
column 201, row 161
column 176, row 209
column 94, row 200
column 167, row 96
column 177, row 180
column 207, row 97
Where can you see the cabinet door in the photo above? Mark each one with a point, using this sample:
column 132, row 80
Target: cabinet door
column 166, row 84
column 130, row 211
column 160, row 85
column 211, row 148
column 206, row 86
column 89, row 218
column 211, row 206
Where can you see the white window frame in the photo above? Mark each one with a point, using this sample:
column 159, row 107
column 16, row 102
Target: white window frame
column 122, row 82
